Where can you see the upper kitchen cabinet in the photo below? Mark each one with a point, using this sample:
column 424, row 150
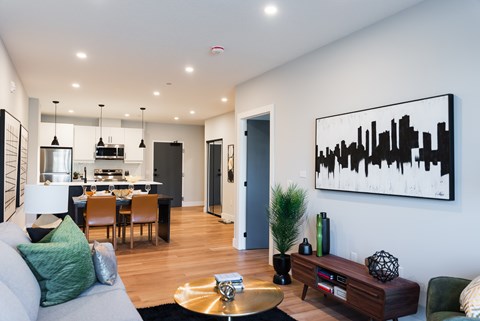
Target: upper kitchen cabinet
column 111, row 135
column 133, row 153
column 64, row 134
column 84, row 144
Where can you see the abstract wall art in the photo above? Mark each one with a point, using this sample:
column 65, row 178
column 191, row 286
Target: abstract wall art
column 22, row 165
column 9, row 143
column 403, row 149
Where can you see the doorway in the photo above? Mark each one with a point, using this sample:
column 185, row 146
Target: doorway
column 214, row 177
column 258, row 186
column 168, row 169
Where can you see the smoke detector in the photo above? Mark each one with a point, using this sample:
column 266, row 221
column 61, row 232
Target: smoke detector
column 216, row 50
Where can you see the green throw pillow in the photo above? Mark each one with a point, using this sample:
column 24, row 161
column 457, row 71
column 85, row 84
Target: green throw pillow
column 61, row 262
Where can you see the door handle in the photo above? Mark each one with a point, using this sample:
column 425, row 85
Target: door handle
column 155, row 175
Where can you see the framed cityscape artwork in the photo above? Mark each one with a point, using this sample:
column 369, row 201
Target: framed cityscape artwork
column 9, row 143
column 403, row 149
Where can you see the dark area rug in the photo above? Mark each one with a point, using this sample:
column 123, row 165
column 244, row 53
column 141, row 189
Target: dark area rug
column 174, row 312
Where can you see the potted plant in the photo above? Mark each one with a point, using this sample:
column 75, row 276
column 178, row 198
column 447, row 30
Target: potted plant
column 285, row 215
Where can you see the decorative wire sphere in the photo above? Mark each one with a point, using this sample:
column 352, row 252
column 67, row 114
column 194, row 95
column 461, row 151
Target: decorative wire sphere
column 227, row 290
column 382, row 266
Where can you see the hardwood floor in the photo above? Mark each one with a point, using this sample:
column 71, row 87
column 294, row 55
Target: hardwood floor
column 202, row 246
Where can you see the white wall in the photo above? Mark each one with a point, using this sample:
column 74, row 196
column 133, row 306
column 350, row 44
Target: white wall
column 427, row 50
column 16, row 103
column 192, row 137
column 222, row 127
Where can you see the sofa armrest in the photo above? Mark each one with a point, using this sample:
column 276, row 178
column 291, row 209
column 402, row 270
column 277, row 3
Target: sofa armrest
column 443, row 294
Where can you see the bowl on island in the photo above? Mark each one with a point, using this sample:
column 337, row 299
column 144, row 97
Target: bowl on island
column 132, row 179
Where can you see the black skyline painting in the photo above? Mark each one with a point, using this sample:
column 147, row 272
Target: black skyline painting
column 404, row 149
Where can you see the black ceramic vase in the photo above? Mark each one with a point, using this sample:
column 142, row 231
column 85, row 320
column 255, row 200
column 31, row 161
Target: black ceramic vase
column 282, row 265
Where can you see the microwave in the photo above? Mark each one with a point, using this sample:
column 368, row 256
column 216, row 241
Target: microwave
column 110, row 151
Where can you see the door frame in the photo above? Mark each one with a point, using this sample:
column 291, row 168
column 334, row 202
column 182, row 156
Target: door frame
column 183, row 163
column 207, row 180
column 241, row 170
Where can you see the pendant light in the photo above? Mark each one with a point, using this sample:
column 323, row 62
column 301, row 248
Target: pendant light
column 142, row 143
column 55, row 140
column 100, row 141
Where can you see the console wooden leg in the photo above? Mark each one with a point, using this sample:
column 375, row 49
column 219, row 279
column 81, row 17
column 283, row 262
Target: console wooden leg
column 304, row 293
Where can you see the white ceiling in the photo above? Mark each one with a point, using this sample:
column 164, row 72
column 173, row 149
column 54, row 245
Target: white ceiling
column 135, row 47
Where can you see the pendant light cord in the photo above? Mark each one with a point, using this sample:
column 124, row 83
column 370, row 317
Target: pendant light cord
column 55, row 120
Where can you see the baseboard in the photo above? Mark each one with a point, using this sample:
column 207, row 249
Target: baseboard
column 194, row 203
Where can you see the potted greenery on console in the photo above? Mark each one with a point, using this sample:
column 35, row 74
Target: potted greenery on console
column 285, row 215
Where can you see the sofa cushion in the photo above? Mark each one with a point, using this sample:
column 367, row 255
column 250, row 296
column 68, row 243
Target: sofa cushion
column 11, row 307
column 112, row 305
column 12, row 234
column 470, row 299
column 61, row 262
column 444, row 315
column 101, row 288
column 15, row 275
column 38, row 233
column 105, row 262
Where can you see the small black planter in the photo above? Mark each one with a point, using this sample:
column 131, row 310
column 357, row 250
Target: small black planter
column 282, row 265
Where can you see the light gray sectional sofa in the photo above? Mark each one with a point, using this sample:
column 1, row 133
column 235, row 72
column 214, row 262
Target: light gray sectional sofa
column 20, row 292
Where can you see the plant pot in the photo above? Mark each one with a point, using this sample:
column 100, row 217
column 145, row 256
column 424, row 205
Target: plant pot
column 282, row 265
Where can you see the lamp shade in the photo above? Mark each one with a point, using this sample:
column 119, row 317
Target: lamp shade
column 46, row 199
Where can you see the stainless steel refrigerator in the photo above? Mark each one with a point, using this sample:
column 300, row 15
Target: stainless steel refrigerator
column 55, row 164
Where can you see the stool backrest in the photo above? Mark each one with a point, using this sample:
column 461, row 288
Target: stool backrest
column 101, row 210
column 144, row 208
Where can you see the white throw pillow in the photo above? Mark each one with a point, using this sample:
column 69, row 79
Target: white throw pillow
column 470, row 299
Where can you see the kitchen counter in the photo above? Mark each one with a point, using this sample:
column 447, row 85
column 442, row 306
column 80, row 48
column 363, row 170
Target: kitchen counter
column 90, row 182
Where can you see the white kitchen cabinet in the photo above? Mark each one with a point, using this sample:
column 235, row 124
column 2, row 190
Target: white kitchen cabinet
column 111, row 135
column 84, row 144
column 133, row 153
column 64, row 134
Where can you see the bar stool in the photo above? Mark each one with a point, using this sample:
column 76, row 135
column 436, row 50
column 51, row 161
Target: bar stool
column 101, row 211
column 143, row 210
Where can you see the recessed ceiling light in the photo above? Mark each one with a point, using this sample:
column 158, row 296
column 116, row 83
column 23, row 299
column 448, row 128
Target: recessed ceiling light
column 224, row 99
column 81, row 55
column 127, row 115
column 176, row 118
column 270, row 10
column 156, row 93
column 168, row 84
column 192, row 112
column 76, row 85
column 189, row 69
column 71, row 111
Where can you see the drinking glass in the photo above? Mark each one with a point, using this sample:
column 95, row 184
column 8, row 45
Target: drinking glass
column 111, row 187
column 84, row 191
column 148, row 188
column 93, row 188
column 130, row 188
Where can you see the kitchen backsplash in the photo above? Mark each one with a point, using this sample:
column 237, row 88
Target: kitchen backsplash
column 134, row 169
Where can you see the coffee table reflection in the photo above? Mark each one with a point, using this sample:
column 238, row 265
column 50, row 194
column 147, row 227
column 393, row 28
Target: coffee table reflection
column 201, row 296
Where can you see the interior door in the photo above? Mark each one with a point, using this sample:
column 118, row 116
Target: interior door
column 167, row 169
column 258, row 183
column 214, row 183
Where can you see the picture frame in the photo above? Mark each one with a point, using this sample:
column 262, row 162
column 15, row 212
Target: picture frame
column 22, row 165
column 402, row 149
column 230, row 163
column 9, row 143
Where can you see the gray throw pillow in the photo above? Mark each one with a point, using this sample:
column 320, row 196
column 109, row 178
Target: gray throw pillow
column 105, row 262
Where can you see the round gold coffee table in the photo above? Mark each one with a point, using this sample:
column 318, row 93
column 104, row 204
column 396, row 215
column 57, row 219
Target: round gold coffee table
column 201, row 296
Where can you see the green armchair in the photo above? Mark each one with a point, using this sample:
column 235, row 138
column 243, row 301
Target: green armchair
column 443, row 295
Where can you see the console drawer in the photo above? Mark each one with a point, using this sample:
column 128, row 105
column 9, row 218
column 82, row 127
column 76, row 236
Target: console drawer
column 368, row 299
column 304, row 272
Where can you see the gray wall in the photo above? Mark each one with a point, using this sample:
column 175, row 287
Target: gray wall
column 16, row 103
column 427, row 50
column 192, row 137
